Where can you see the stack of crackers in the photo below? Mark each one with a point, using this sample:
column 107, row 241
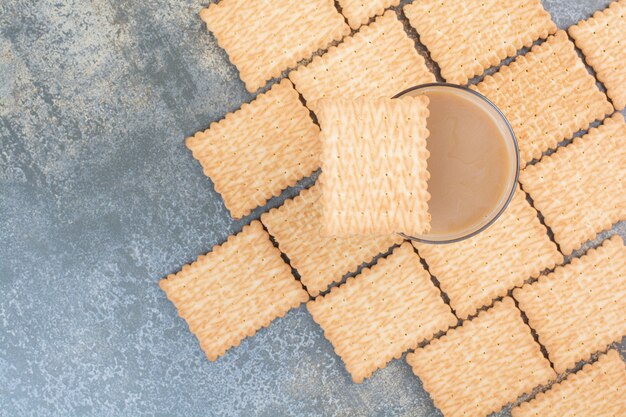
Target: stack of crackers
column 511, row 311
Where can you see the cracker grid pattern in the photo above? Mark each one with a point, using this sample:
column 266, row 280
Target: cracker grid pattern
column 233, row 291
column 465, row 40
column 378, row 61
column 259, row 150
column 581, row 188
column 477, row 368
column 580, row 308
column 319, row 260
column 547, row 95
column 379, row 314
column 263, row 38
column 475, row 271
column 602, row 38
column 597, row 390
column 374, row 173
column 358, row 12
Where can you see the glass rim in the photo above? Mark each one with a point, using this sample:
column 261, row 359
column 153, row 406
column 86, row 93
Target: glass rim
column 511, row 193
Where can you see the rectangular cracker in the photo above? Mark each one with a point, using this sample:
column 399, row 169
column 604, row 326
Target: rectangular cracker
column 596, row 390
column 477, row 368
column 374, row 173
column 547, row 95
column 259, row 150
column 580, row 308
column 359, row 12
column 319, row 260
column 378, row 61
column 234, row 290
column 581, row 188
column 475, row 271
column 467, row 40
column 263, row 38
column 379, row 314
column 602, row 38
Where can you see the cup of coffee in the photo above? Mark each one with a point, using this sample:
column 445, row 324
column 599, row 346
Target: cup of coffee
column 473, row 163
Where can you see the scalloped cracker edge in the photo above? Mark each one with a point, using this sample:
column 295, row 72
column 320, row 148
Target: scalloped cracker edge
column 580, row 308
column 359, row 12
column 319, row 260
column 256, row 152
column 581, row 188
column 234, row 290
column 602, row 39
column 484, row 32
column 475, row 271
column 596, row 390
column 380, row 60
column 479, row 367
column 264, row 38
column 382, row 312
column 546, row 95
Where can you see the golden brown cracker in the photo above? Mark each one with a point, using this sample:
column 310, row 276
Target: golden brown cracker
column 359, row 12
column 466, row 40
column 374, row 166
column 602, row 38
column 477, row 368
column 379, row 314
column 263, row 38
column 597, row 390
column 581, row 188
column 475, row 271
column 580, row 308
column 547, row 95
column 259, row 150
column 378, row 61
column 319, row 260
column 234, row 290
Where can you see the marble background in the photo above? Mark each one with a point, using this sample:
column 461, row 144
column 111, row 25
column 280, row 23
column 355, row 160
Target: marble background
column 99, row 199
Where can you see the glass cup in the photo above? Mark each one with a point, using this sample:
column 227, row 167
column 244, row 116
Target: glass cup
column 511, row 145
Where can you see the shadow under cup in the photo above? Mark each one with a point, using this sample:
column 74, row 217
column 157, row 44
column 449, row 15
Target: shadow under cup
column 474, row 164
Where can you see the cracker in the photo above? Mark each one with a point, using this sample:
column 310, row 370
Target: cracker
column 233, row 291
column 379, row 314
column 319, row 260
column 596, row 390
column 602, row 38
column 477, row 368
column 475, row 271
column 259, row 150
column 580, row 308
column 466, row 40
column 581, row 188
column 378, row 61
column 547, row 95
column 359, row 12
column 374, row 173
column 263, row 38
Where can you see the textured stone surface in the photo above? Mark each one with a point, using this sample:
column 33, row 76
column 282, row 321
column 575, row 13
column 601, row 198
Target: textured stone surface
column 99, row 199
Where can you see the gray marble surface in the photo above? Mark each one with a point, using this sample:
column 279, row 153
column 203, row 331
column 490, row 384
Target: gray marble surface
column 99, row 199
